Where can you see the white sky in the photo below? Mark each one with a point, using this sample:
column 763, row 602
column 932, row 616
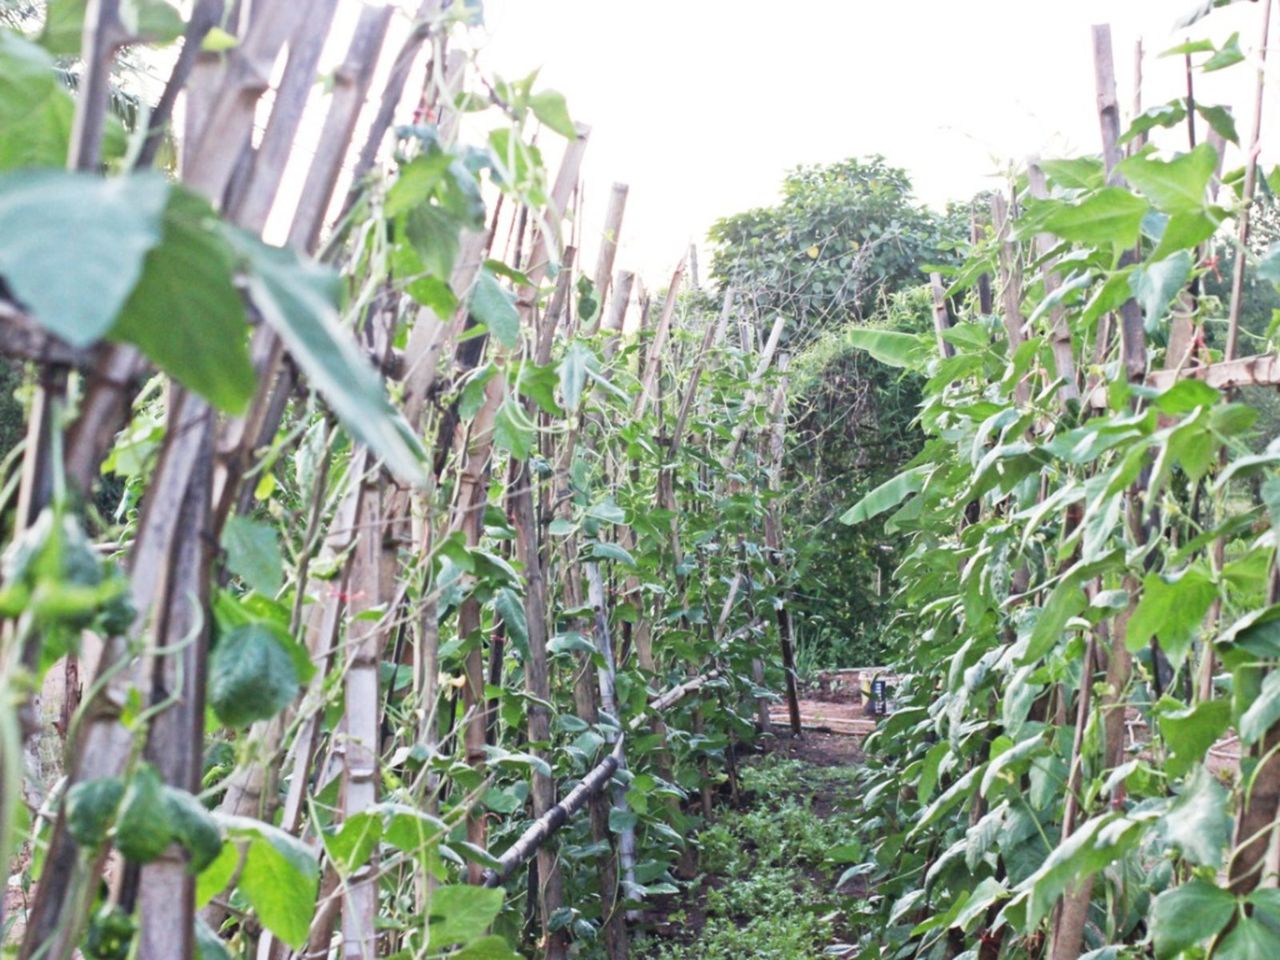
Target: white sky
column 701, row 106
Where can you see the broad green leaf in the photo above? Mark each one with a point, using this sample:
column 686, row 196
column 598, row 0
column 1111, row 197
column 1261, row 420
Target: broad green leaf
column 888, row 495
column 513, row 431
column 1155, row 285
column 486, row 948
column 889, row 346
column 1197, row 821
column 36, row 110
column 1111, row 216
column 1171, row 610
column 1228, row 55
column 1249, row 939
column 91, row 809
column 1263, row 712
column 1220, row 120
column 251, row 676
column 1185, row 231
column 144, row 828
column 493, row 306
column 573, row 374
column 1163, row 115
column 209, row 945
column 186, row 313
column 193, row 827
column 217, row 875
column 549, row 107
column 54, row 223
column 461, row 914
column 280, row 879
column 1174, row 186
column 298, row 299
column 1093, row 846
column 1190, row 731
column 612, row 551
column 63, row 27
column 253, row 554
column 1189, row 914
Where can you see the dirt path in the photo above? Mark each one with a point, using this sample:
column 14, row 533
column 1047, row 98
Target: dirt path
column 771, row 867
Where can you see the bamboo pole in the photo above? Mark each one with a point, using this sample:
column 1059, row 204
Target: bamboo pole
column 1250, row 186
column 608, row 248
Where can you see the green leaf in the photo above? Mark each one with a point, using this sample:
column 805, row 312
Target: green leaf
column 53, row 223
column 549, row 107
column 1110, row 216
column 486, row 948
column 1174, row 186
column 298, row 299
column 1185, row 231
column 280, row 879
column 253, row 554
column 1155, row 285
column 63, row 27
column 91, row 808
column 493, row 306
column 1188, row 915
column 144, row 829
column 218, row 874
column 1228, row 55
column 209, row 945
column 36, row 111
column 1263, row 712
column 1249, row 939
column 513, row 431
column 193, row 827
column 573, row 374
column 1197, row 821
column 888, row 495
column 889, row 346
column 186, row 313
column 1172, row 610
column 1220, row 120
column 461, row 913
column 251, row 676
column 611, row 551
column 1093, row 846
column 1190, row 731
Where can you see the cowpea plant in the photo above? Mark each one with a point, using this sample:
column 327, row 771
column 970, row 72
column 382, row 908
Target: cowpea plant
column 1083, row 761
column 368, row 547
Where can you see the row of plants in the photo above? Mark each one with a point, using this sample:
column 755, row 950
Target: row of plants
column 1084, row 759
column 354, row 556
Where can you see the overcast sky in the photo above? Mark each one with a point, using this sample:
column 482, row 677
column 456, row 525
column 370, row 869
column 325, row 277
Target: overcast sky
column 701, row 106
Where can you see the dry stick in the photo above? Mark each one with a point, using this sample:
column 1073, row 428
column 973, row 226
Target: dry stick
column 1059, row 332
column 773, row 536
column 608, row 248
column 392, row 93
column 473, row 484
column 102, row 35
column 238, row 436
column 246, row 783
column 166, row 889
column 1069, row 918
column 359, row 749
column 1250, row 185
column 606, row 676
column 537, row 834
column 1002, row 216
column 538, row 684
column 1259, row 801
column 941, row 318
column 658, row 344
column 104, row 745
